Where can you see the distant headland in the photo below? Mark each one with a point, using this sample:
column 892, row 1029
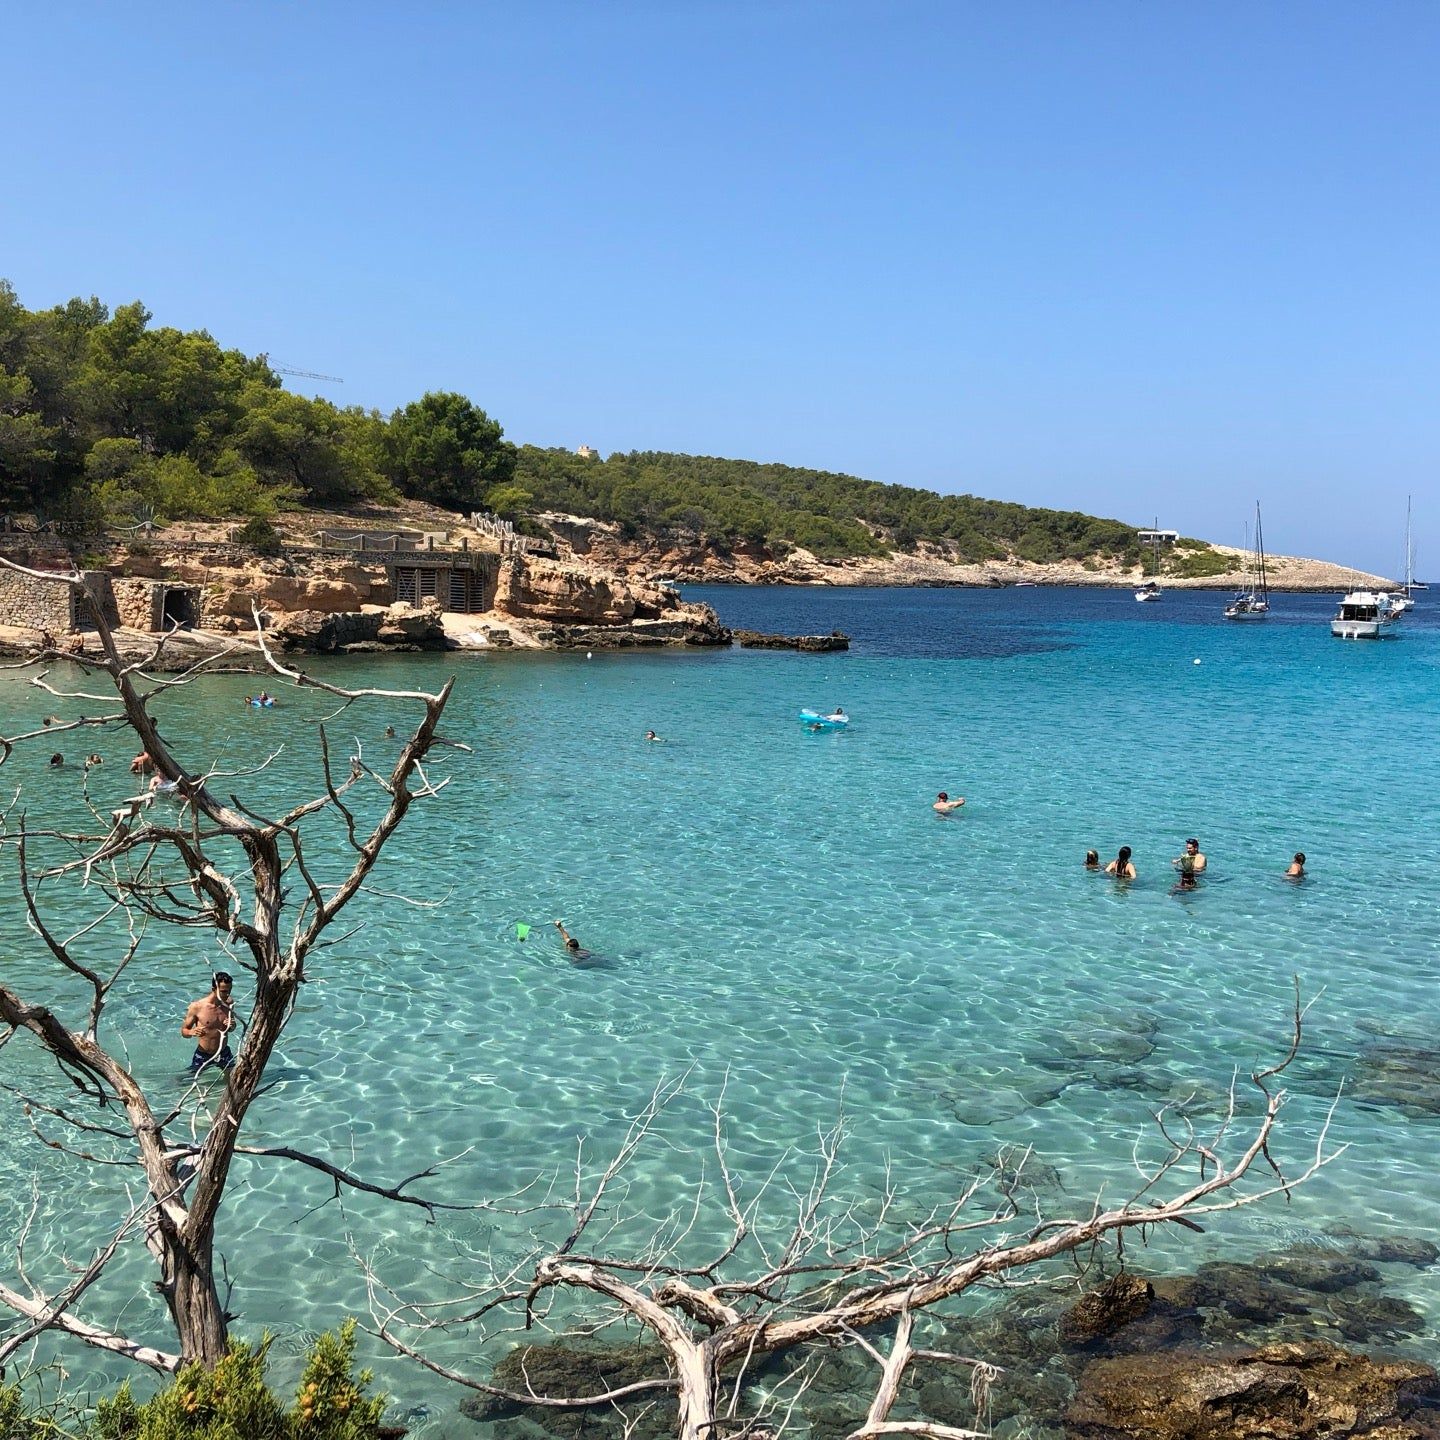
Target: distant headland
column 189, row 483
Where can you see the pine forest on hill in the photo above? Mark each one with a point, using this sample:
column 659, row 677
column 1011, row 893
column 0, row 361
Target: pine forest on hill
column 106, row 420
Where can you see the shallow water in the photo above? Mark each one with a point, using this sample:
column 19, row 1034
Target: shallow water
column 784, row 908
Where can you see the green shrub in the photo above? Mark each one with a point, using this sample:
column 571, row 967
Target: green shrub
column 1198, row 564
column 259, row 534
column 232, row 1402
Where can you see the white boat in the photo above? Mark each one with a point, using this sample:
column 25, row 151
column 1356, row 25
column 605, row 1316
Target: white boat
column 1150, row 589
column 1403, row 600
column 1364, row 615
column 1253, row 603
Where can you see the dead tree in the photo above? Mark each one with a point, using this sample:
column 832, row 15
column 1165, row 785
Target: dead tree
column 180, row 855
column 830, row 1276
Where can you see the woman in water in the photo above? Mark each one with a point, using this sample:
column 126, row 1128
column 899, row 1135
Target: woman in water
column 1092, row 859
column 1120, row 867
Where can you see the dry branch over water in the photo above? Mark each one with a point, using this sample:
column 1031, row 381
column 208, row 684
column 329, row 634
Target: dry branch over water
column 180, row 855
column 835, row 1275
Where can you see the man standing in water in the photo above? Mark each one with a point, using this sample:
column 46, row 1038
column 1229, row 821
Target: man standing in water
column 209, row 1022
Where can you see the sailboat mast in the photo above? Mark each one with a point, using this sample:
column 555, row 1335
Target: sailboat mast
column 1260, row 556
column 1409, row 553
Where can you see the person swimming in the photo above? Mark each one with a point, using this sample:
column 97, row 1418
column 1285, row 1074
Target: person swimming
column 651, row 735
column 576, row 951
column 1120, row 867
column 1092, row 859
column 1297, row 867
column 944, row 804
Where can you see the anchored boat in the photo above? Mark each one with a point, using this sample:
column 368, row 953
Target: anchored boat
column 1365, row 615
column 1253, row 603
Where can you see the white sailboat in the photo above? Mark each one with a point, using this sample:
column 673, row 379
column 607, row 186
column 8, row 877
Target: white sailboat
column 1150, row 588
column 1404, row 600
column 1253, row 603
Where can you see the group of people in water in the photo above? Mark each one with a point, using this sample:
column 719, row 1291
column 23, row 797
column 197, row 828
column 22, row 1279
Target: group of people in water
column 1189, row 865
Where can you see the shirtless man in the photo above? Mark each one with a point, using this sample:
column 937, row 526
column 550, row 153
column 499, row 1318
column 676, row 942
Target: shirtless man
column 208, row 1022
column 1297, row 867
column 1192, row 854
column 944, row 804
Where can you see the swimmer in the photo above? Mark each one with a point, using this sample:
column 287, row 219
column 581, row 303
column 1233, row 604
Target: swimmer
column 1120, row 867
column 651, row 735
column 1192, row 854
column 142, row 764
column 389, row 732
column 92, row 760
column 573, row 947
column 56, row 760
column 1297, row 867
column 1092, row 859
column 944, row 804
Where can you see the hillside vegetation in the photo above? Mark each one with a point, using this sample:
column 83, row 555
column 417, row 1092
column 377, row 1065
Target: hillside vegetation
column 742, row 502
column 106, row 421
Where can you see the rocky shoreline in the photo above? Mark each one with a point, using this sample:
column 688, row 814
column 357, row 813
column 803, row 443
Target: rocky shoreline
column 587, row 587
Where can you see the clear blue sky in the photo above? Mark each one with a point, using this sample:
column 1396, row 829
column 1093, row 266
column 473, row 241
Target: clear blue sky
column 1134, row 258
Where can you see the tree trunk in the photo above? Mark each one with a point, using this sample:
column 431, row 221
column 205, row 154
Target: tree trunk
column 188, row 1286
column 695, row 1369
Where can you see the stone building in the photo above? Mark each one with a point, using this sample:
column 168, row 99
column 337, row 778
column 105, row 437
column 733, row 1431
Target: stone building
column 151, row 605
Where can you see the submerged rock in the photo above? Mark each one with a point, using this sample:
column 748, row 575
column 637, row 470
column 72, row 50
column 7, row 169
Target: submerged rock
column 1297, row 1391
column 1388, row 1249
column 570, row 1370
column 1107, row 1308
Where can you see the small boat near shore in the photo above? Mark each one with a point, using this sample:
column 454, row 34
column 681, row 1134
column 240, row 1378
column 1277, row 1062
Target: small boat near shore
column 1365, row 615
column 1150, row 590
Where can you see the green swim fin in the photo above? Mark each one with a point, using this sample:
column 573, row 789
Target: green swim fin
column 521, row 930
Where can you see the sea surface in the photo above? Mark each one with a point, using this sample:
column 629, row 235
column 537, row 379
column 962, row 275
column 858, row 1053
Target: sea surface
column 779, row 917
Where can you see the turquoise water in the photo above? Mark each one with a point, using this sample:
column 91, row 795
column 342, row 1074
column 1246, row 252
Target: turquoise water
column 784, row 909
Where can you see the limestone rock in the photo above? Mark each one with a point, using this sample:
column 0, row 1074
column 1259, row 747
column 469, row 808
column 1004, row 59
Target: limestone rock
column 316, row 633
column 572, row 594
column 1297, row 1391
column 417, row 625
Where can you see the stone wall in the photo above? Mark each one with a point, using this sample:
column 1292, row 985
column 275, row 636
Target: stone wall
column 138, row 602
column 38, row 604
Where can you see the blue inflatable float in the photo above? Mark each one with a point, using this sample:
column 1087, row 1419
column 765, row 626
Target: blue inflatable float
column 814, row 721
